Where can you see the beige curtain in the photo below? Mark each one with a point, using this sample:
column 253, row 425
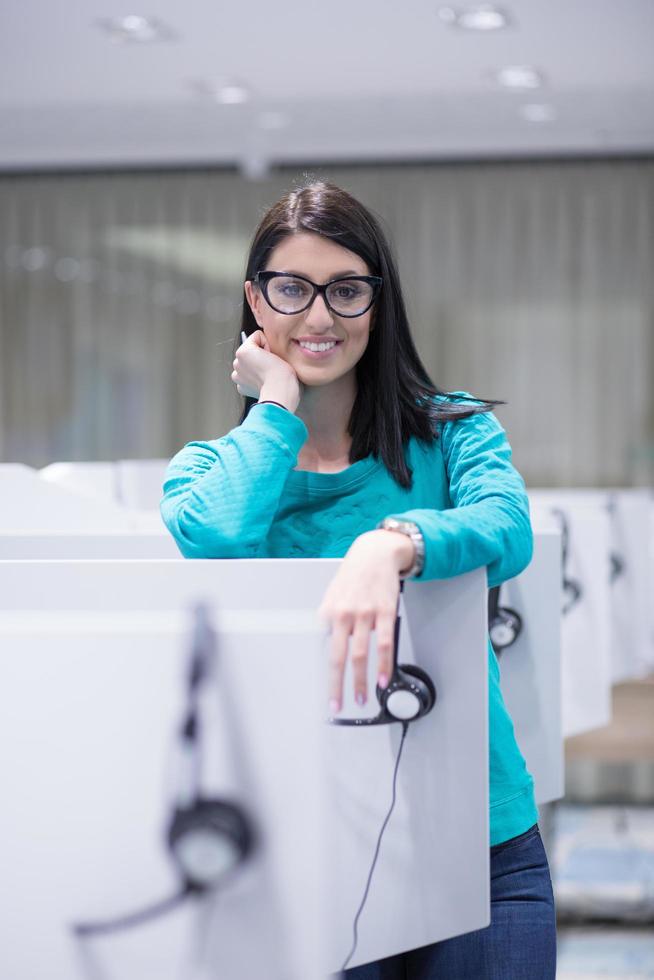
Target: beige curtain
column 120, row 299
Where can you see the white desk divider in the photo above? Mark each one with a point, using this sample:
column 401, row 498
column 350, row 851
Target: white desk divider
column 586, row 629
column 431, row 880
column 30, row 503
column 132, row 483
column 140, row 482
column 90, row 705
column 530, row 669
column 630, row 574
column 97, row 479
column 88, row 545
column 632, row 585
column 631, row 579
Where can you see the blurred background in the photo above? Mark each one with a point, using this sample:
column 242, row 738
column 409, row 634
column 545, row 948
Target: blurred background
column 509, row 152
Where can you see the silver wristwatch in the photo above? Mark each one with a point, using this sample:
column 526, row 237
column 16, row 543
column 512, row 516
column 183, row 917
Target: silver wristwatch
column 412, row 531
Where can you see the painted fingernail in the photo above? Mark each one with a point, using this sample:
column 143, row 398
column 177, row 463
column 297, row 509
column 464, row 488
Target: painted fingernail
column 383, row 681
column 334, row 707
column 361, row 698
column 243, row 337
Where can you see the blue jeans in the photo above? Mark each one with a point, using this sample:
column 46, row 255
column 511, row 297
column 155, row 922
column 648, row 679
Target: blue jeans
column 520, row 942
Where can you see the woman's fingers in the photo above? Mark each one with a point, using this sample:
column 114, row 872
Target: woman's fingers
column 243, row 388
column 340, row 636
column 357, row 638
column 253, row 363
column 259, row 339
column 359, row 655
column 363, row 596
column 385, row 630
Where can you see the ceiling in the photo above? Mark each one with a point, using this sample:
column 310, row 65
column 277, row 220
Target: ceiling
column 356, row 81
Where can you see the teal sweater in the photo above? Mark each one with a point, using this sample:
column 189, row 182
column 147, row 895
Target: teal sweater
column 240, row 497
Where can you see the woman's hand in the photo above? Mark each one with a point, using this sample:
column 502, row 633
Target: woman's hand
column 255, row 365
column 362, row 597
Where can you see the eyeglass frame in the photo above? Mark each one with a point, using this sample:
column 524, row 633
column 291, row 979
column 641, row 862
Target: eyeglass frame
column 263, row 277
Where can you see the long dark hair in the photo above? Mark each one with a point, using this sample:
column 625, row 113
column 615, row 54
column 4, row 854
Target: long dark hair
column 395, row 395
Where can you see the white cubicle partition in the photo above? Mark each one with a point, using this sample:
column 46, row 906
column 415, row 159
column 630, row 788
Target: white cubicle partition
column 89, row 545
column 632, row 585
column 30, row 503
column 432, row 877
column 629, row 570
column 89, row 709
column 586, row 673
column 420, row 888
column 96, row 479
column 530, row 669
column 40, row 501
column 140, row 482
column 132, row 483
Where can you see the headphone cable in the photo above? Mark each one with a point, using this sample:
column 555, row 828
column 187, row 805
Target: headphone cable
column 405, row 728
column 133, row 919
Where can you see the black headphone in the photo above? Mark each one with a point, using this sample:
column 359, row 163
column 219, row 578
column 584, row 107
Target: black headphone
column 410, row 693
column 572, row 590
column 504, row 623
column 208, row 838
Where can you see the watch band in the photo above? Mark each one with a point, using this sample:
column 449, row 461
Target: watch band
column 412, row 531
column 269, row 401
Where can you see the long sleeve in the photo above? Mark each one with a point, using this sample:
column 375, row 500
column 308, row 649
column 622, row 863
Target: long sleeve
column 220, row 497
column 489, row 521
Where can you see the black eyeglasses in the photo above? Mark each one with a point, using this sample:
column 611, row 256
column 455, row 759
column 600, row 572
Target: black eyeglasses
column 350, row 296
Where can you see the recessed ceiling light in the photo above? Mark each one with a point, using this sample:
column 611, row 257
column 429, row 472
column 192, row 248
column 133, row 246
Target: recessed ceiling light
column 481, row 17
column 226, row 92
column 538, row 112
column 519, row 77
column 133, row 27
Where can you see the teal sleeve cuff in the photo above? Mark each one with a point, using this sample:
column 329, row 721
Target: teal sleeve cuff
column 271, row 420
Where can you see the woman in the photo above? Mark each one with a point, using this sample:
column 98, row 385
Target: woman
column 343, row 428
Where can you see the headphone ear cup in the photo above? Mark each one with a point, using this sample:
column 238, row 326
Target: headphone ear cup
column 505, row 628
column 412, row 680
column 418, row 674
column 208, row 841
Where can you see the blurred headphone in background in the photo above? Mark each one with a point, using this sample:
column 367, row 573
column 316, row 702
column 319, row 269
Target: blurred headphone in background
column 208, row 838
column 617, row 561
column 504, row 623
column 410, row 693
column 617, row 566
column 572, row 590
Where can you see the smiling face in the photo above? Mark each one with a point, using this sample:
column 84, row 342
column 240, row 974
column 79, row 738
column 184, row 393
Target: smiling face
column 318, row 259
